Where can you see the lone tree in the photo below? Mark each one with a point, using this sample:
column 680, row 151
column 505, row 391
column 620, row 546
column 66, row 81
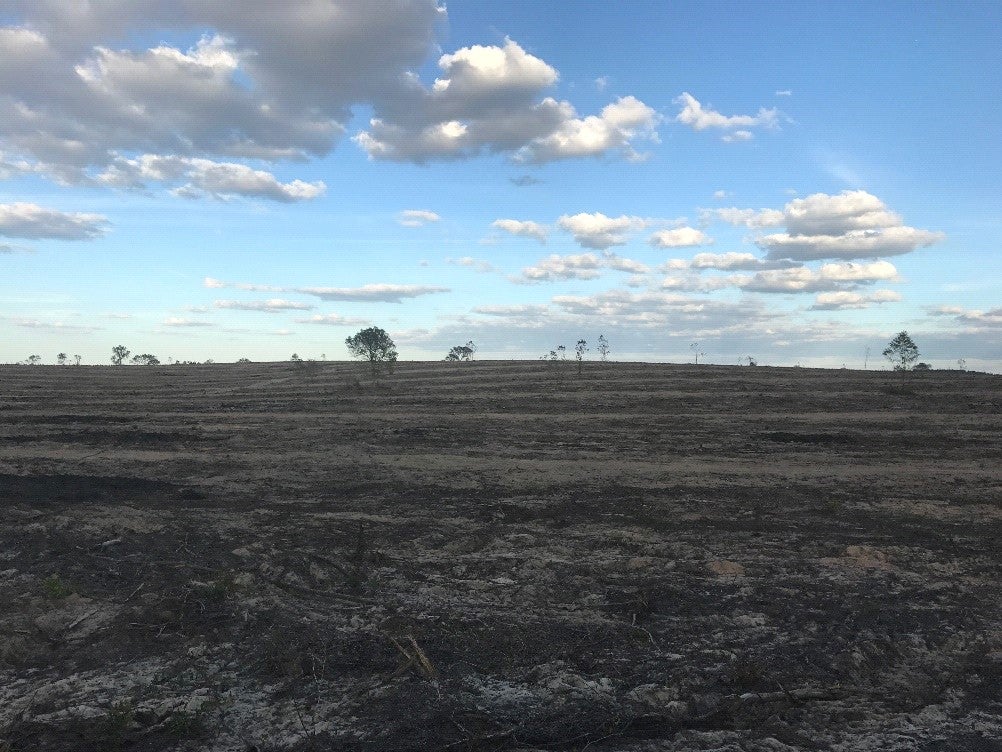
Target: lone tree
column 579, row 350
column 902, row 352
column 603, row 347
column 146, row 359
column 62, row 359
column 118, row 354
column 462, row 352
column 374, row 345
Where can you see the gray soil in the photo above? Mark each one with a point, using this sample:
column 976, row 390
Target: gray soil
column 499, row 556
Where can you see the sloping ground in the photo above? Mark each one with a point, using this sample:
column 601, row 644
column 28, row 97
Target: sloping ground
column 499, row 556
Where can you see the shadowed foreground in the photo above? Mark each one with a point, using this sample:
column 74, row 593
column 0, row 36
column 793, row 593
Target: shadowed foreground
column 499, row 556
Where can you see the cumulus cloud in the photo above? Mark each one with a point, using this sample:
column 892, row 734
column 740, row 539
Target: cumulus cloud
column 850, row 225
column 830, row 277
column 417, row 217
column 491, row 98
column 206, row 177
column 680, row 237
column 974, row 319
column 844, row 300
column 890, row 241
column 275, row 305
column 33, row 222
column 578, row 266
column 257, row 86
column 752, row 218
column 524, row 228
column 699, row 118
column 822, row 214
column 614, row 130
column 375, row 293
column 599, row 231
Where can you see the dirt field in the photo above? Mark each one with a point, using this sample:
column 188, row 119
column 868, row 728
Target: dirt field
column 499, row 556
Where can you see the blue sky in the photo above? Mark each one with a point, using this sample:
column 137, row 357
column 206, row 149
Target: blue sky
column 794, row 182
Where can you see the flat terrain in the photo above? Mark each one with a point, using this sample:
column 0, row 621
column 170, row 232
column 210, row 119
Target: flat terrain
column 499, row 556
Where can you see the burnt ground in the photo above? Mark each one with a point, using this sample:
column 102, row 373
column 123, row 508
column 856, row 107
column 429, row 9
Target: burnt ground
column 499, row 556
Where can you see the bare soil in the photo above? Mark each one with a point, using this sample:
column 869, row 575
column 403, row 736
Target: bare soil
column 499, row 556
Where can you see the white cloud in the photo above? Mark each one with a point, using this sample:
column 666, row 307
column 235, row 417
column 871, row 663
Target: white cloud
column 680, row 237
column 374, row 293
column 417, row 217
column 822, row 214
column 843, row 300
column 721, row 195
column 830, row 277
column 525, row 228
column 53, row 325
column 751, row 218
column 217, row 179
column 33, row 222
column 784, row 93
column 580, row 266
column 274, row 305
column 332, row 319
column 699, row 118
column 599, row 231
column 613, row 130
column 602, row 83
column 737, row 136
column 178, row 322
column 973, row 318
column 890, row 241
column 213, row 283
column 734, row 260
column 479, row 71
column 480, row 265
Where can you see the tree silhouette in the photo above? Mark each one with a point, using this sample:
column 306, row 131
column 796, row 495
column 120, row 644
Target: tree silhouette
column 375, row 346
column 118, row 354
column 462, row 352
column 603, row 347
column 902, row 352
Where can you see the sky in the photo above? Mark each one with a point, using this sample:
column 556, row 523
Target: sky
column 223, row 179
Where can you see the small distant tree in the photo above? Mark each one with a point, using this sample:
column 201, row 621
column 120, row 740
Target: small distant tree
column 295, row 358
column 603, row 347
column 579, row 350
column 118, row 354
column 62, row 359
column 76, row 360
column 145, row 360
column 902, row 352
column 243, row 360
column 33, row 360
column 375, row 346
column 922, row 367
column 696, row 351
column 962, row 364
column 462, row 352
column 750, row 360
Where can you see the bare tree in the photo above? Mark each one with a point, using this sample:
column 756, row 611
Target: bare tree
column 579, row 350
column 76, row 360
column 603, row 347
column 696, row 351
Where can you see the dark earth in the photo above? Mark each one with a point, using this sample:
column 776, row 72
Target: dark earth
column 499, row 556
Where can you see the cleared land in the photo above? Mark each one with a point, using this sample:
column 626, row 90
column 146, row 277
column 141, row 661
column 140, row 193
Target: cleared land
column 499, row 556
